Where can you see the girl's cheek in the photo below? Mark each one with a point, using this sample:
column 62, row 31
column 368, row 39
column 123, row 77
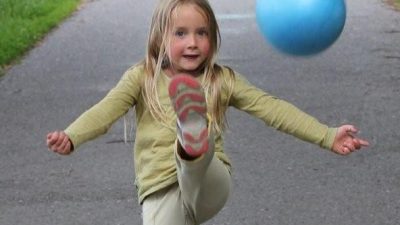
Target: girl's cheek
column 205, row 47
column 207, row 51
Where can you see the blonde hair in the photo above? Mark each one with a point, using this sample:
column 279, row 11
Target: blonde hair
column 157, row 59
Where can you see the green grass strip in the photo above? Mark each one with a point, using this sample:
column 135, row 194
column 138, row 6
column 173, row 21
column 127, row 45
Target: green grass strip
column 397, row 3
column 24, row 22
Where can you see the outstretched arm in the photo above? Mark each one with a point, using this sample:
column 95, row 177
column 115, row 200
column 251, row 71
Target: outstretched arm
column 346, row 142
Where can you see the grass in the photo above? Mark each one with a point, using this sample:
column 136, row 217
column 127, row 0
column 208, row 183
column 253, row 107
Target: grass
column 394, row 3
column 24, row 22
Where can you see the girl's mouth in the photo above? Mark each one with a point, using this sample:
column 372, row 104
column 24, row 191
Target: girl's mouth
column 191, row 57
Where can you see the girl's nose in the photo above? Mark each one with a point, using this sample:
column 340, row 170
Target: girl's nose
column 192, row 42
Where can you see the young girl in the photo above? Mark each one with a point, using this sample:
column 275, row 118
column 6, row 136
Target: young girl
column 180, row 96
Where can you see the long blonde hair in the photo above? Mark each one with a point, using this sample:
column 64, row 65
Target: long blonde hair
column 157, row 59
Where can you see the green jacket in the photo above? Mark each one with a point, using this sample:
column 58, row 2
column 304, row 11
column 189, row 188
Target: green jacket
column 154, row 142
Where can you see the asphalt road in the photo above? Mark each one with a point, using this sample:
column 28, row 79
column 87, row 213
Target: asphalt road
column 278, row 180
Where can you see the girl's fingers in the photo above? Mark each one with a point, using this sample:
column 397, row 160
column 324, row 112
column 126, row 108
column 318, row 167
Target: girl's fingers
column 349, row 145
column 356, row 143
column 344, row 151
column 68, row 147
column 52, row 138
column 65, row 147
column 351, row 129
column 60, row 138
column 66, row 150
column 54, row 148
column 363, row 142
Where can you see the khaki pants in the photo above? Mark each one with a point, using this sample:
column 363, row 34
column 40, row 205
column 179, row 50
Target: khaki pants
column 201, row 192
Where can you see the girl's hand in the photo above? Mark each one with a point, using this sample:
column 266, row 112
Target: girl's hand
column 346, row 142
column 59, row 142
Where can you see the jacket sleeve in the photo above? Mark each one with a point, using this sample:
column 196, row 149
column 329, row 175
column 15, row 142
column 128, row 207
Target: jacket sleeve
column 280, row 114
column 99, row 118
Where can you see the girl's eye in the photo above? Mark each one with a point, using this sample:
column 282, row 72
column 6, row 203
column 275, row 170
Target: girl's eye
column 203, row 33
column 179, row 33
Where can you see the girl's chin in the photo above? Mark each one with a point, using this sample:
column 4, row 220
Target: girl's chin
column 189, row 71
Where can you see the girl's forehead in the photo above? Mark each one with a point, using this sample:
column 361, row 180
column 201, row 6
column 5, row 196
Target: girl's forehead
column 189, row 8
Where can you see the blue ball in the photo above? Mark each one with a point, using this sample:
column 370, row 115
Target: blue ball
column 301, row 27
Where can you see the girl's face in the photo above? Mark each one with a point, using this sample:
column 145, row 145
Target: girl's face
column 190, row 45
